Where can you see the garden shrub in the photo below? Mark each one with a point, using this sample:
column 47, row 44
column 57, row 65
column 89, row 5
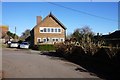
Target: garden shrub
column 44, row 47
column 102, row 55
column 34, row 47
column 116, row 58
column 74, row 50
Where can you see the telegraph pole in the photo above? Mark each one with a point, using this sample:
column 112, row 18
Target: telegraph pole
column 15, row 33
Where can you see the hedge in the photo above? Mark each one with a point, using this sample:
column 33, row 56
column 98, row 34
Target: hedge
column 44, row 47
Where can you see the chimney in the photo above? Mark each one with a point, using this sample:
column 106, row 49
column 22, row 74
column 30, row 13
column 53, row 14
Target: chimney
column 39, row 19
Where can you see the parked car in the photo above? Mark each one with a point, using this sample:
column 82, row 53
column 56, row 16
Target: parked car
column 24, row 45
column 8, row 42
column 14, row 44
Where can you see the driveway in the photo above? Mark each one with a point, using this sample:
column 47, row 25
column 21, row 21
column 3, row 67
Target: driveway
column 19, row 63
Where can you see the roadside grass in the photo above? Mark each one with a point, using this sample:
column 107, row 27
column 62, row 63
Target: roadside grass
column 0, row 45
column 3, row 45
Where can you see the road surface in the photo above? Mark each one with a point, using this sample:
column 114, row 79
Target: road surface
column 18, row 63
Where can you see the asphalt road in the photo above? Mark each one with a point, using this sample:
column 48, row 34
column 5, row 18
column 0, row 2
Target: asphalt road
column 29, row 64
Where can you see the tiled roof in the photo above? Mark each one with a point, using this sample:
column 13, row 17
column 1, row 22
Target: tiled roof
column 51, row 15
column 115, row 34
column 57, row 20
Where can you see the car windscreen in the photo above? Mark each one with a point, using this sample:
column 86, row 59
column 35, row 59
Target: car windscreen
column 25, row 43
column 15, row 42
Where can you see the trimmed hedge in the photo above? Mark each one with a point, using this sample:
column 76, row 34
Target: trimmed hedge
column 44, row 47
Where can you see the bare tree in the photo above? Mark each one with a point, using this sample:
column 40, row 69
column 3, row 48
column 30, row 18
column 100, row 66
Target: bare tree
column 25, row 34
column 83, row 33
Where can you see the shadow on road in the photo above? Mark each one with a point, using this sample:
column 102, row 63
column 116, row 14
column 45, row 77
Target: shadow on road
column 53, row 55
column 102, row 70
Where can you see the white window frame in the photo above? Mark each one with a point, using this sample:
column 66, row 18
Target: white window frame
column 48, row 39
column 38, row 39
column 41, row 31
column 45, row 39
column 45, row 30
column 62, row 39
column 54, row 29
column 59, row 29
column 48, row 30
column 55, row 39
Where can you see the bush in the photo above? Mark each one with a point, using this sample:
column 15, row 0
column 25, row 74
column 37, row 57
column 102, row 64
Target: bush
column 44, row 47
column 35, row 47
column 73, row 49
column 69, row 49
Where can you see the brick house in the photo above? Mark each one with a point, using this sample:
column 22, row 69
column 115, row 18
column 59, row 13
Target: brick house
column 113, row 38
column 4, row 29
column 47, row 31
column 3, row 33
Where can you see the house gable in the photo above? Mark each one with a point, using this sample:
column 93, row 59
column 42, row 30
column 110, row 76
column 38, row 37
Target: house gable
column 46, row 22
column 55, row 30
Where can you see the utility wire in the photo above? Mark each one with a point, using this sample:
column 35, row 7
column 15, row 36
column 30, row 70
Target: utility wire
column 82, row 12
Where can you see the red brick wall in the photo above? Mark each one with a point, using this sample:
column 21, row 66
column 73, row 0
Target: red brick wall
column 4, row 29
column 48, row 22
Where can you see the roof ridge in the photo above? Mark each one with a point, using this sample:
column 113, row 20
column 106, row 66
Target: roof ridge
column 50, row 14
column 57, row 20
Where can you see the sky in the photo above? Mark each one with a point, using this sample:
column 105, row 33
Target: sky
column 101, row 17
column 60, row 0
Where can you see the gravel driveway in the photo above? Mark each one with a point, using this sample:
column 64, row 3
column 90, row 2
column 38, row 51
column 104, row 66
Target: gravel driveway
column 19, row 64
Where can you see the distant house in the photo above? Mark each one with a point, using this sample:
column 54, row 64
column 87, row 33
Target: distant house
column 4, row 28
column 6, row 38
column 47, row 31
column 3, row 34
column 112, row 38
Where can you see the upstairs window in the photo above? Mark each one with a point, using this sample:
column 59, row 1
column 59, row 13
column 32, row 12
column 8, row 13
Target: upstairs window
column 50, row 30
column 55, row 30
column 45, row 30
column 41, row 30
column 59, row 30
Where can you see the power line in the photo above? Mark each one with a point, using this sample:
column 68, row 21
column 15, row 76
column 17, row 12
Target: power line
column 83, row 12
